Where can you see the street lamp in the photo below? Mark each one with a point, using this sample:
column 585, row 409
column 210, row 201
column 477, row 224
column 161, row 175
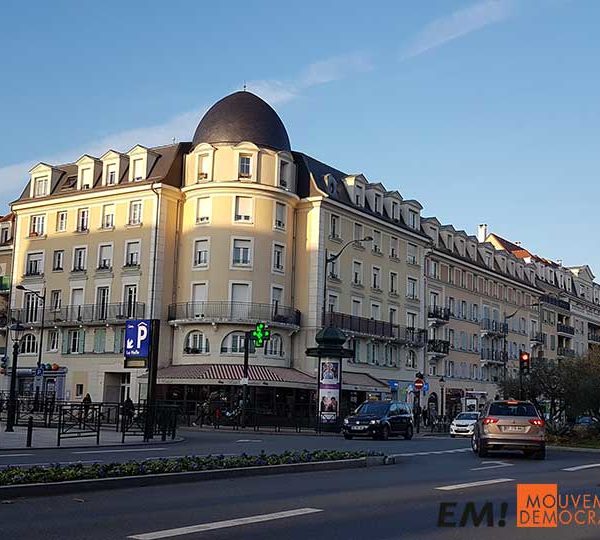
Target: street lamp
column 332, row 258
column 42, row 299
column 442, row 385
column 16, row 330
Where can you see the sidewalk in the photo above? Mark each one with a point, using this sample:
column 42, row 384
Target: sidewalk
column 47, row 438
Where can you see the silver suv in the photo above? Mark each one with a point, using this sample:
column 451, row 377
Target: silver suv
column 510, row 425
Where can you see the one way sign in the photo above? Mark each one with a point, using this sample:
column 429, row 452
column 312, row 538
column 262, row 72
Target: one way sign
column 137, row 338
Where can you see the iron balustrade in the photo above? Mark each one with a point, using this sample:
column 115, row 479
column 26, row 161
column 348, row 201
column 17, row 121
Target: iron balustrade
column 594, row 337
column 86, row 313
column 566, row 353
column 438, row 312
column 492, row 355
column 563, row 304
column 234, row 311
column 538, row 337
column 565, row 329
column 440, row 346
column 493, row 326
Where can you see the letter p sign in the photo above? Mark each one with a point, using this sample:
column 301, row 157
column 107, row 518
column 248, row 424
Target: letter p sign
column 137, row 338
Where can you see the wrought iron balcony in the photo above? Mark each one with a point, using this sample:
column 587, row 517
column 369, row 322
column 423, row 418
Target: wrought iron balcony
column 438, row 346
column 86, row 313
column 594, row 337
column 565, row 329
column 439, row 313
column 538, row 337
column 209, row 312
column 490, row 355
column 566, row 353
column 490, row 326
column 563, row 304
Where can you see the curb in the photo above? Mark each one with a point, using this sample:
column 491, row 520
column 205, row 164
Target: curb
column 112, row 445
column 78, row 486
column 574, row 449
column 251, row 431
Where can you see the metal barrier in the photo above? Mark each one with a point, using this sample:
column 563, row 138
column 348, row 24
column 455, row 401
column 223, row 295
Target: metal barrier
column 79, row 420
column 163, row 421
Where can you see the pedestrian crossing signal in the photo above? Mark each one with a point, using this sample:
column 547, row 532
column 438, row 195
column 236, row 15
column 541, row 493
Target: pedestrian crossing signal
column 261, row 334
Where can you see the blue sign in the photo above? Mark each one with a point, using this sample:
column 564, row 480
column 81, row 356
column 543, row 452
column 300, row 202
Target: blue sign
column 425, row 387
column 137, row 338
column 39, row 372
column 393, row 384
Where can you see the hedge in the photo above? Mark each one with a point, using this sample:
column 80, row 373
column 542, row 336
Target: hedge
column 11, row 476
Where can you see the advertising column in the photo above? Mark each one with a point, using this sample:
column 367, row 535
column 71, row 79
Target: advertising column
column 330, row 386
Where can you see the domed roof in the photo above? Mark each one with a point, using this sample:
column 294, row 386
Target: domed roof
column 242, row 116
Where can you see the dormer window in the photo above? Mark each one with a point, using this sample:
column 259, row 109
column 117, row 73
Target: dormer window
column 358, row 195
column 413, row 219
column 378, row 203
column 395, row 211
column 138, row 171
column 202, row 167
column 245, row 166
column 450, row 241
column 111, row 174
column 40, row 187
column 284, row 168
column 4, row 235
column 86, row 178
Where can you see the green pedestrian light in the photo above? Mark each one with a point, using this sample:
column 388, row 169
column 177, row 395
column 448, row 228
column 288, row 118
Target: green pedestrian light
column 261, row 334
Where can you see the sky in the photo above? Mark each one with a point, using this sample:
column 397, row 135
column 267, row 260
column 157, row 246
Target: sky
column 485, row 111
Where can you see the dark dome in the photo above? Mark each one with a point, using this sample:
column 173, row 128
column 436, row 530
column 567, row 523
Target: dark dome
column 239, row 117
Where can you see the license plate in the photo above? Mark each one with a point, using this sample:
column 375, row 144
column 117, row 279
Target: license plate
column 359, row 428
column 514, row 428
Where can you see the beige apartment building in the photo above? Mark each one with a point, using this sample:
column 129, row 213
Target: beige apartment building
column 233, row 228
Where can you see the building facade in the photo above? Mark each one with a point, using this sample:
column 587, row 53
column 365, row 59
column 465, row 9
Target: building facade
column 235, row 227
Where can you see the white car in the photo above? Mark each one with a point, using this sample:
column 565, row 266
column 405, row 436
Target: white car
column 464, row 424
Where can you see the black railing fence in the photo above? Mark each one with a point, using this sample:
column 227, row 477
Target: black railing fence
column 234, row 311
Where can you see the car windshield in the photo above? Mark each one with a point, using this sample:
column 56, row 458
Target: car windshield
column 467, row 416
column 505, row 408
column 378, row 409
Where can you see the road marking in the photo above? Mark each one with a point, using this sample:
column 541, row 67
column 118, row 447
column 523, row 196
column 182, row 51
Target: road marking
column 118, row 451
column 14, row 455
column 168, row 533
column 249, row 440
column 475, row 484
column 492, row 465
column 433, row 452
column 582, row 467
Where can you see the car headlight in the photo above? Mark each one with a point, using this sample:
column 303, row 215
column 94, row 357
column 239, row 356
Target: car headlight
column 345, row 420
column 374, row 422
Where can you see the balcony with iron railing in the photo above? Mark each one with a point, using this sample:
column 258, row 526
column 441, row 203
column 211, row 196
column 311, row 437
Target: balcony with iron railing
column 537, row 337
column 565, row 329
column 116, row 313
column 493, row 327
column 439, row 314
column 566, row 353
column 493, row 356
column 563, row 304
column 415, row 337
column 246, row 312
column 594, row 337
column 438, row 347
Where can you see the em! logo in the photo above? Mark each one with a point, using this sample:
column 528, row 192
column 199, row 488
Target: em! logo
column 537, row 505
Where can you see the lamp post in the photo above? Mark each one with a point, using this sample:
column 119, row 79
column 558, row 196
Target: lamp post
column 42, row 299
column 332, row 258
column 15, row 330
column 442, row 385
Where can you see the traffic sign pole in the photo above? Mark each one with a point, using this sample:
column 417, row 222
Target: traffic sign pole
column 152, row 376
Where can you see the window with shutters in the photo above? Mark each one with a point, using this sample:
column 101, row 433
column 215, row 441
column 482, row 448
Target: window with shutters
column 242, row 252
column 61, row 221
column 111, row 174
column 393, row 283
column 37, row 225
column 196, row 343
column 55, row 299
column 376, row 241
column 138, row 169
column 394, row 247
column 278, row 258
column 58, row 260
column 74, row 341
column 108, row 216
column 203, row 163
column 53, row 341
column 358, row 233
column 79, row 259
column 201, row 253
column 357, row 272
column 376, row 278
column 334, row 227
column 135, row 213
column 40, row 188
column 31, row 305
column 100, row 340
column 243, row 210
column 280, row 216
column 245, row 166
column 411, row 254
column 83, row 217
column 356, row 307
column 105, row 256
column 132, row 253
column 130, row 299
column 34, row 264
column 203, row 211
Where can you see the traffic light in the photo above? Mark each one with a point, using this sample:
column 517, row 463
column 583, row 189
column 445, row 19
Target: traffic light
column 261, row 334
column 524, row 362
column 3, row 365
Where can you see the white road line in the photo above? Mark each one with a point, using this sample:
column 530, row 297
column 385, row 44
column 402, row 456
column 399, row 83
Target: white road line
column 168, row 533
column 118, row 451
column 434, row 452
column 492, row 465
column 14, row 455
column 249, row 440
column 475, row 484
column 582, row 467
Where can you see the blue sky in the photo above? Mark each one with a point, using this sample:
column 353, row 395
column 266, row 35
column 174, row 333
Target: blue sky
column 484, row 111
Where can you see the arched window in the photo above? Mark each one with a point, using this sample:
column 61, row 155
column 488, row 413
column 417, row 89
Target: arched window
column 233, row 343
column 28, row 344
column 274, row 346
column 196, row 343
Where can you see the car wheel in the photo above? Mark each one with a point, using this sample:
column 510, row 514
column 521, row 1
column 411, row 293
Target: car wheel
column 474, row 444
column 409, row 433
column 347, row 437
column 385, row 433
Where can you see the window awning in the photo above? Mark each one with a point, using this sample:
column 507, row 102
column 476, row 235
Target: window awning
column 362, row 382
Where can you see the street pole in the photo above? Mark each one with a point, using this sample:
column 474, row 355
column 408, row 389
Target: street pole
column 152, row 376
column 505, row 357
column 247, row 338
column 12, row 399
column 40, row 345
column 327, row 261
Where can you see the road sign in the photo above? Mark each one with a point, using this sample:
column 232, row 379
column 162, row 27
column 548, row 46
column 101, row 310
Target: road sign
column 418, row 384
column 137, row 338
column 39, row 372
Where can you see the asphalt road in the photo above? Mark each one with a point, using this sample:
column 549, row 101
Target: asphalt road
column 389, row 502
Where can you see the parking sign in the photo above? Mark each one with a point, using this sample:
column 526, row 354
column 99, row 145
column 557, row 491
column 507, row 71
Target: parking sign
column 137, row 338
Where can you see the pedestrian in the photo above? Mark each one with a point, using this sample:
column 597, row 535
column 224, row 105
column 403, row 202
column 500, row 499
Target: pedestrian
column 128, row 409
column 201, row 413
column 87, row 401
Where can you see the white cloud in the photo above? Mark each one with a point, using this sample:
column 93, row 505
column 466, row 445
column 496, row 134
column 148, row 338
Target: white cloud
column 458, row 24
column 181, row 127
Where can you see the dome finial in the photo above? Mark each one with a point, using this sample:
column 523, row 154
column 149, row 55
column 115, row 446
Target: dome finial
column 244, row 86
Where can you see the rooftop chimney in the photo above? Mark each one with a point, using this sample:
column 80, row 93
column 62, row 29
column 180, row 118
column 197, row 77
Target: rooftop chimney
column 482, row 232
column 518, row 243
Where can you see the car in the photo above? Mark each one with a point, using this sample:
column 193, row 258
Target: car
column 380, row 420
column 464, row 424
column 510, row 425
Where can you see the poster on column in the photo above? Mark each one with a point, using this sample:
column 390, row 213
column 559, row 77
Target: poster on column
column 330, row 382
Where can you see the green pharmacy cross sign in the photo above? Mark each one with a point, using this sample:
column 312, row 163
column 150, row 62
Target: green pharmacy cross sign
column 261, row 334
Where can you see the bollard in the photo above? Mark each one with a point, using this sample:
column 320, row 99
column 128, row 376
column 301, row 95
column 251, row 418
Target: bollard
column 29, row 431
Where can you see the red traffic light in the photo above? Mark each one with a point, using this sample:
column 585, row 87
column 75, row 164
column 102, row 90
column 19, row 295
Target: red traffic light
column 524, row 357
